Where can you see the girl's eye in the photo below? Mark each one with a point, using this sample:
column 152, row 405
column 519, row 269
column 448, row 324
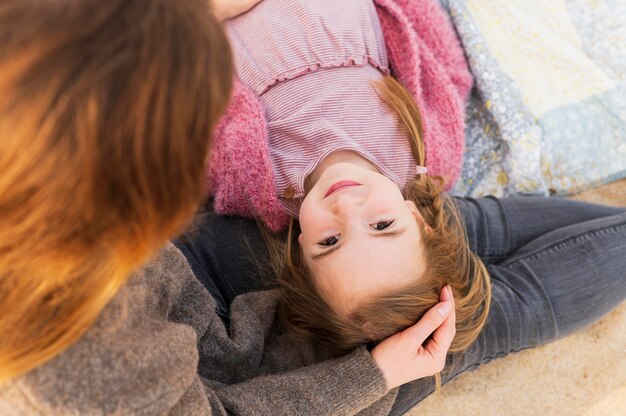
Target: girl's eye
column 330, row 241
column 381, row 225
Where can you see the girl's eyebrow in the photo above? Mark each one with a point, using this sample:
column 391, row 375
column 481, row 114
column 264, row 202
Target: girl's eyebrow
column 389, row 234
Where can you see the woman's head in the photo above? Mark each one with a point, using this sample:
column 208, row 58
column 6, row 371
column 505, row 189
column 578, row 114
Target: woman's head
column 106, row 109
column 367, row 260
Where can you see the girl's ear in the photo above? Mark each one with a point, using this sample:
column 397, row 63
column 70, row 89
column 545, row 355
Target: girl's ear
column 416, row 213
column 300, row 239
column 418, row 216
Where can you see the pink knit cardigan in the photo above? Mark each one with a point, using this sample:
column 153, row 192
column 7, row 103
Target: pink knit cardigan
column 424, row 54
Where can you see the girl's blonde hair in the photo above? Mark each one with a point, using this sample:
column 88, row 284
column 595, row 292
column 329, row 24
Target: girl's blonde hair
column 447, row 253
column 106, row 108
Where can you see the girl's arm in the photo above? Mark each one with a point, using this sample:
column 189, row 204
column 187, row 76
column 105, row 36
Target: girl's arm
column 434, row 28
column 227, row 9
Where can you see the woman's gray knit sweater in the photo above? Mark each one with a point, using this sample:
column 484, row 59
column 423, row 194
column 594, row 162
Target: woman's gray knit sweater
column 159, row 347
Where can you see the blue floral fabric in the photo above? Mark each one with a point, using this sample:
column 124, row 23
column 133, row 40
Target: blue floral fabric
column 548, row 110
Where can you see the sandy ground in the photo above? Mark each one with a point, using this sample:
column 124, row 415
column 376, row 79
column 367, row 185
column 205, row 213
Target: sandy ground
column 582, row 375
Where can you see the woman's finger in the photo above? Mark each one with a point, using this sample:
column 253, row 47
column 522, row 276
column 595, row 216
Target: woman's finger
column 453, row 312
column 444, row 296
column 442, row 338
column 447, row 296
column 429, row 323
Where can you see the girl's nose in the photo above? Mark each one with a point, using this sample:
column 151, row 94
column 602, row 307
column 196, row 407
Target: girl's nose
column 347, row 204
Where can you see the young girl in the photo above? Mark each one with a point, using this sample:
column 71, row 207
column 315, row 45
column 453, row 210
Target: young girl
column 376, row 238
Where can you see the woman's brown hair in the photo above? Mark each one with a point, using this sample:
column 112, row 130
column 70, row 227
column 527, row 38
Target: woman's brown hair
column 449, row 260
column 106, row 109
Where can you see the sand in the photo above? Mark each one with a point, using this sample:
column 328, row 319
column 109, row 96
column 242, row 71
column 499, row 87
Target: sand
column 581, row 375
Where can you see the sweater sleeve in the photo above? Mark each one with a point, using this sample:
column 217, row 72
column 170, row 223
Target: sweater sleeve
column 423, row 73
column 239, row 170
column 153, row 372
column 344, row 386
column 142, row 357
column 435, row 29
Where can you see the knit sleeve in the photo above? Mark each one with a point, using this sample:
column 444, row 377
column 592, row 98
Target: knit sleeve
column 435, row 29
column 168, row 385
column 422, row 69
column 239, row 171
column 344, row 386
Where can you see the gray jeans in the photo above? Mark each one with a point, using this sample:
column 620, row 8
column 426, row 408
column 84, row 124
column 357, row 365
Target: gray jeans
column 556, row 265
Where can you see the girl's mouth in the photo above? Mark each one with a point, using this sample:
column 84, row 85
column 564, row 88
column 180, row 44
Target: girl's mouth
column 340, row 185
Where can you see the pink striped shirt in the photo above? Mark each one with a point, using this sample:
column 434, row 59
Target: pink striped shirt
column 313, row 63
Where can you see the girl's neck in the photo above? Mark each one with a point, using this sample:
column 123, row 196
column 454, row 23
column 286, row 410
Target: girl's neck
column 342, row 156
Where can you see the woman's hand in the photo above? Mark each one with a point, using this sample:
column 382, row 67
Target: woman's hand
column 227, row 9
column 405, row 356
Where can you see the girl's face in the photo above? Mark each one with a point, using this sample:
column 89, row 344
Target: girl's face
column 360, row 237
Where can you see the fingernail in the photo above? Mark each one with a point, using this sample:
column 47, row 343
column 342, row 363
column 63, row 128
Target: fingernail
column 444, row 308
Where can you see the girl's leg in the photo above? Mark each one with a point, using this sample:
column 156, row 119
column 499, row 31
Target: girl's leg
column 562, row 281
column 496, row 228
column 227, row 255
column 554, row 285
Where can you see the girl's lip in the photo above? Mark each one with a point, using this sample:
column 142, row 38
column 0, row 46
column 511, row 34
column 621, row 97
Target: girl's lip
column 339, row 185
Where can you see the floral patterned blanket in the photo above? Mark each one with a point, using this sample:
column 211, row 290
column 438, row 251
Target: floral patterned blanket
column 548, row 111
